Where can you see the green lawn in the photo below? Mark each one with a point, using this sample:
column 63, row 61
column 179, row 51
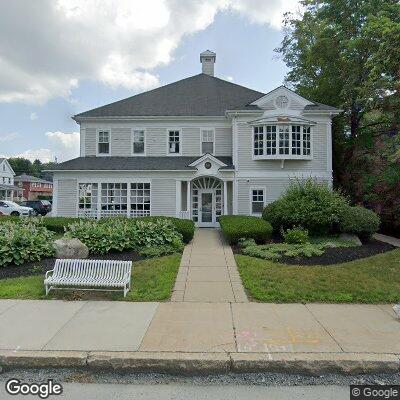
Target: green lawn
column 370, row 280
column 152, row 280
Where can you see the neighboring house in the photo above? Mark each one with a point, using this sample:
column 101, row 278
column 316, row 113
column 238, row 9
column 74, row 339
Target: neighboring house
column 34, row 188
column 197, row 148
column 8, row 191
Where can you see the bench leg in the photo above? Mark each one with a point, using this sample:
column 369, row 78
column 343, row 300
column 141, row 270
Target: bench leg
column 47, row 289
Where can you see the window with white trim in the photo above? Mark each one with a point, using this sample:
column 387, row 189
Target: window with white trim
column 257, row 200
column 207, row 141
column 258, row 140
column 270, row 142
column 114, row 199
column 282, row 141
column 306, row 140
column 296, row 140
column 138, row 141
column 174, row 142
column 103, row 142
column 140, row 199
column 87, row 199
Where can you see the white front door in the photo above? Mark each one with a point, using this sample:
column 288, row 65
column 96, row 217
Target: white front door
column 207, row 208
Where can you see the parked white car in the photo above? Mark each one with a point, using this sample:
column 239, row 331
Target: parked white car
column 8, row 207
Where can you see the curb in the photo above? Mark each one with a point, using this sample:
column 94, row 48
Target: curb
column 205, row 363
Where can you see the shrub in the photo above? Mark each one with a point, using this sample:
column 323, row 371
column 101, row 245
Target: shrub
column 184, row 226
column 360, row 221
column 296, row 235
column 24, row 240
column 274, row 252
column 235, row 227
column 308, row 204
column 118, row 234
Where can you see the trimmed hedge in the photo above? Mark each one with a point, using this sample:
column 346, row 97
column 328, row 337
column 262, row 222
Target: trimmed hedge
column 236, row 227
column 360, row 221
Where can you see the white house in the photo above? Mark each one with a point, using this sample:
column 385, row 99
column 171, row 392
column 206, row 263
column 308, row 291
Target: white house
column 8, row 191
column 197, row 148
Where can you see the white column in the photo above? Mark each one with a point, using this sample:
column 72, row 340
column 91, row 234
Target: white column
column 178, row 197
column 225, row 198
column 99, row 200
column 234, row 197
column 188, row 205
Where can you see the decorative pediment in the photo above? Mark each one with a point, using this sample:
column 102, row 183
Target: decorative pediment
column 207, row 165
column 282, row 119
column 282, row 100
column 207, row 157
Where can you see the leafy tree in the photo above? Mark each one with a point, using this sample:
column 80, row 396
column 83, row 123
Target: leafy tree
column 346, row 54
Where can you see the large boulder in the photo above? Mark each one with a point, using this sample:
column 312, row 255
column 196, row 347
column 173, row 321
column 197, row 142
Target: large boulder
column 70, row 248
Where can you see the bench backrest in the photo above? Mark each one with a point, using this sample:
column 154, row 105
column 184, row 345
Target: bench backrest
column 91, row 269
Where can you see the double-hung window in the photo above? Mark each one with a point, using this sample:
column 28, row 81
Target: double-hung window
column 138, row 142
column 174, row 142
column 103, row 142
column 257, row 197
column 207, row 141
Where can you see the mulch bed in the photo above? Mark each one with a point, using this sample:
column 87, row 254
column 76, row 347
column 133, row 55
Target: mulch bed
column 46, row 264
column 337, row 255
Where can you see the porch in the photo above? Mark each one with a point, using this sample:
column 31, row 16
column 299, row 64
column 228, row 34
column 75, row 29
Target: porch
column 204, row 199
column 10, row 192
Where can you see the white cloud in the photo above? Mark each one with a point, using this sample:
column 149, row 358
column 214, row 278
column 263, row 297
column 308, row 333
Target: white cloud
column 116, row 43
column 33, row 116
column 9, row 137
column 62, row 146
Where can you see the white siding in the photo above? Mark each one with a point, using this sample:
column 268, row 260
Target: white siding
column 121, row 142
column 163, row 201
column 274, row 187
column 223, row 142
column 90, row 141
column 191, row 141
column 156, row 141
column 66, row 197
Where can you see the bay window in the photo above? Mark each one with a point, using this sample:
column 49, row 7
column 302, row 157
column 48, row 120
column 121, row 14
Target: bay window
column 282, row 141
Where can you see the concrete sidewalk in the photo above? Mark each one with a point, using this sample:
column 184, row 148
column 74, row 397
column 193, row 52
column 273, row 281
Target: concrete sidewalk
column 250, row 335
column 208, row 271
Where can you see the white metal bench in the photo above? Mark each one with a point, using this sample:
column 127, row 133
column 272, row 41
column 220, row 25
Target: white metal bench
column 101, row 275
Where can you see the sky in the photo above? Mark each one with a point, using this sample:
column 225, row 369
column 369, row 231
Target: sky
column 62, row 57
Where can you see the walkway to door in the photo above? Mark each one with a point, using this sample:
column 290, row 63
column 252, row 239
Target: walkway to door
column 208, row 271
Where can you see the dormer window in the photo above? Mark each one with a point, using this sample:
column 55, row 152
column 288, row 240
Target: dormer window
column 174, row 142
column 282, row 141
column 103, row 142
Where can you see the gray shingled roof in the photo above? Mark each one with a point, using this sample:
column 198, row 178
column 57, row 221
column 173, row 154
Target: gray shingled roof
column 29, row 178
column 199, row 95
column 133, row 164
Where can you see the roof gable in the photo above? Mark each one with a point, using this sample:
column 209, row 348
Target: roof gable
column 199, row 95
column 4, row 161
